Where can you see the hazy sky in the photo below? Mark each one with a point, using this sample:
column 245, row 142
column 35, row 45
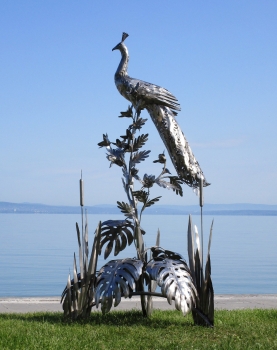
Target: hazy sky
column 219, row 58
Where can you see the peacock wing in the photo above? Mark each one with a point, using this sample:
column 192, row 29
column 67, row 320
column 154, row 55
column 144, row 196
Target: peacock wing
column 153, row 94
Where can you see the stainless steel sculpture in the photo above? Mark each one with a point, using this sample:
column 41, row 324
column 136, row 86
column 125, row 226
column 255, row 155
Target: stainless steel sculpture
column 190, row 287
column 162, row 107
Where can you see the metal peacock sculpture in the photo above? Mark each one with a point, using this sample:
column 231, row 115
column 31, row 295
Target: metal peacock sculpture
column 162, row 107
column 189, row 286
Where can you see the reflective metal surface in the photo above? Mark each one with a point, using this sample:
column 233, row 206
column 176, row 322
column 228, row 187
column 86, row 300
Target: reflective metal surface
column 115, row 278
column 201, row 275
column 189, row 287
column 172, row 274
column 162, row 107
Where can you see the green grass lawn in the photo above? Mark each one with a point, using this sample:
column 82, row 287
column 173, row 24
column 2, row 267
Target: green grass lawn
column 243, row 329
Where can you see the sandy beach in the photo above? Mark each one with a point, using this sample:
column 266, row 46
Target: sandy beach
column 223, row 301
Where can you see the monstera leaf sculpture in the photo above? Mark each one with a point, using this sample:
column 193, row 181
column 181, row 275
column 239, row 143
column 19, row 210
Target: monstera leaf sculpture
column 115, row 278
column 173, row 276
column 118, row 231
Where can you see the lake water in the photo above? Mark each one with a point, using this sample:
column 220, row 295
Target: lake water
column 37, row 250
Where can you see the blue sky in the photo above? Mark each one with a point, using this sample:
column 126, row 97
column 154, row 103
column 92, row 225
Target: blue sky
column 58, row 95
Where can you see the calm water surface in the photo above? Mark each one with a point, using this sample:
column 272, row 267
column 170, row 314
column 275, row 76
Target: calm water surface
column 37, row 250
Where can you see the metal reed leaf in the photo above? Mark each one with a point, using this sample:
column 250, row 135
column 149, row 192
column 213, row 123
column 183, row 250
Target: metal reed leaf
column 95, row 251
column 87, row 291
column 86, row 240
column 80, row 251
column 77, row 297
column 191, row 248
column 74, row 290
column 69, row 300
column 203, row 314
column 174, row 278
column 75, row 276
column 115, row 278
column 198, row 244
column 210, row 239
column 158, row 238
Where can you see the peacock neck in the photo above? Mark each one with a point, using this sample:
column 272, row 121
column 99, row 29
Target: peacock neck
column 123, row 65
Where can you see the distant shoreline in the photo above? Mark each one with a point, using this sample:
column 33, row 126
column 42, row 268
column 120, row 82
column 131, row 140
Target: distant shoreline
column 209, row 209
column 217, row 213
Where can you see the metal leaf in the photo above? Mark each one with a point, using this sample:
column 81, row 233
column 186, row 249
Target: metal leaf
column 203, row 314
column 139, row 157
column 120, row 231
column 126, row 209
column 80, row 251
column 191, row 248
column 108, row 249
column 140, row 141
column 127, row 114
column 152, row 201
column 141, row 196
column 158, row 238
column 165, row 184
column 115, row 278
column 174, row 278
column 177, row 182
column 139, row 123
column 79, row 292
column 160, row 254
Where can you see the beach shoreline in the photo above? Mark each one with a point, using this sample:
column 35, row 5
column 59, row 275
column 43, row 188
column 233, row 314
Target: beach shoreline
column 222, row 301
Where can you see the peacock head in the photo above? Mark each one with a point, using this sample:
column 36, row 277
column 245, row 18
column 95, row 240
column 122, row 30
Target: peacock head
column 121, row 46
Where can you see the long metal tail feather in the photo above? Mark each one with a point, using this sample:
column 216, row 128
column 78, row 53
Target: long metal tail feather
column 176, row 144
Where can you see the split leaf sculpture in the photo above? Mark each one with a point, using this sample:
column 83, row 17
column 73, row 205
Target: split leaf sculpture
column 172, row 274
column 189, row 286
column 115, row 278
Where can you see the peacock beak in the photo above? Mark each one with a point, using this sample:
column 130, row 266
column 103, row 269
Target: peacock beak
column 116, row 47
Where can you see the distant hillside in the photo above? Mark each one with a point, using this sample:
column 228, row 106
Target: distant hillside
column 209, row 209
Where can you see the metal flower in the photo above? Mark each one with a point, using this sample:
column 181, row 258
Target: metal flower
column 161, row 159
column 106, row 142
column 116, row 156
column 115, row 160
column 138, row 124
column 119, row 143
column 134, row 172
column 128, row 136
column 148, row 180
column 127, row 114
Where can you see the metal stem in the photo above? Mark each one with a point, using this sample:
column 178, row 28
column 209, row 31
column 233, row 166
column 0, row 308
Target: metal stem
column 202, row 244
column 83, row 236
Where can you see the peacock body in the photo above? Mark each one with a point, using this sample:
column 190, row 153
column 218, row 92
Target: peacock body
column 162, row 107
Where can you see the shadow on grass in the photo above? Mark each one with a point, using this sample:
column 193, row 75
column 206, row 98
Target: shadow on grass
column 159, row 319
